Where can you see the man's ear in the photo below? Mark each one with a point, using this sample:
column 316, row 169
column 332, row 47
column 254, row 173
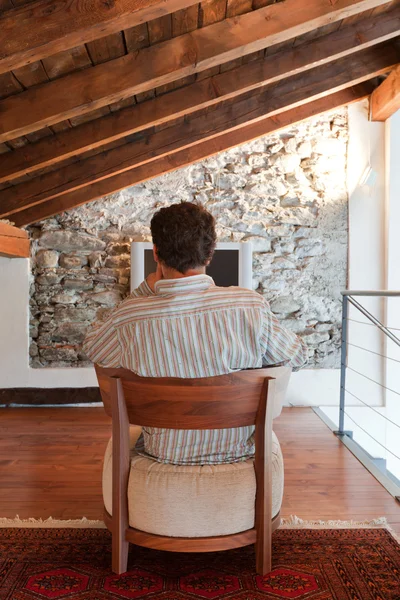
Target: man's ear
column 155, row 255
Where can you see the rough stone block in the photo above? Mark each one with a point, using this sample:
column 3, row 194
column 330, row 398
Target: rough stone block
column 70, row 241
column 304, row 149
column 115, row 262
column 78, row 284
column 259, row 243
column 313, row 338
column 116, row 249
column 72, row 313
column 46, row 258
column 289, row 202
column 285, row 305
column 309, row 249
column 59, row 353
column 33, row 349
column 283, row 263
column 72, row 261
column 69, row 332
column 49, row 278
column 95, row 260
column 108, row 298
column 324, row 327
column 65, row 298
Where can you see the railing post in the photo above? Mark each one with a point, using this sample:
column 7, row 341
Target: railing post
column 343, row 364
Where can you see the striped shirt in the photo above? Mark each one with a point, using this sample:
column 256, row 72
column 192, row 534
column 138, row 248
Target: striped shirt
column 188, row 328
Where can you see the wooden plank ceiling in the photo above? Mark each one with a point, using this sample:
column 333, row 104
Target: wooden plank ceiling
column 88, row 108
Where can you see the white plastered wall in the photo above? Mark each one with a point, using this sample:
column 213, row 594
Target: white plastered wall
column 14, row 337
column 392, row 407
column 374, row 251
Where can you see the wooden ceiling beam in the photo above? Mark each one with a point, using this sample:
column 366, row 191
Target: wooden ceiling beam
column 191, row 155
column 163, row 63
column 46, row 27
column 385, row 100
column 14, row 243
column 94, row 134
column 251, row 107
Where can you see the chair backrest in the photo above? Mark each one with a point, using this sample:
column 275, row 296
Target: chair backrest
column 281, row 374
column 224, row 401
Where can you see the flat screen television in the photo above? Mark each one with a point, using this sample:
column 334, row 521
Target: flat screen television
column 231, row 264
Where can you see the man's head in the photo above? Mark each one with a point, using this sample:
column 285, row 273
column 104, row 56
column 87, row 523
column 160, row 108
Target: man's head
column 184, row 236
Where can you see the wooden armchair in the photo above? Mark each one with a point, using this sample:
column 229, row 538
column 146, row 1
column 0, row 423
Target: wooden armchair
column 238, row 399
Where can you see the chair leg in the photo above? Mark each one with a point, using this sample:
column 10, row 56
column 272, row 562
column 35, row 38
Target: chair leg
column 120, row 549
column 263, row 554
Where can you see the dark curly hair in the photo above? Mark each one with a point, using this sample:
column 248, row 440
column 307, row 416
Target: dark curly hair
column 184, row 235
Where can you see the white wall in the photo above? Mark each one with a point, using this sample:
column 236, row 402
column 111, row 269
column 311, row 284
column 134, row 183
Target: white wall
column 393, row 283
column 374, row 251
column 367, row 250
column 14, row 339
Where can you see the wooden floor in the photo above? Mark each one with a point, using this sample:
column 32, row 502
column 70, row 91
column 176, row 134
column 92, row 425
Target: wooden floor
column 50, row 465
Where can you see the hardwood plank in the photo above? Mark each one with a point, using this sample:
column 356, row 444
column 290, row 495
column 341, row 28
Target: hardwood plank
column 92, row 116
column 35, row 136
column 385, row 100
column 9, row 85
column 211, row 11
column 185, row 20
column 198, row 95
column 14, row 242
column 11, row 247
column 47, row 27
column 163, row 63
column 106, row 48
column 62, row 126
column 5, row 5
column 49, row 479
column 137, row 37
column 160, row 29
column 32, row 74
column 17, row 143
column 238, row 7
column 66, row 62
column 285, row 95
column 188, row 156
column 8, row 230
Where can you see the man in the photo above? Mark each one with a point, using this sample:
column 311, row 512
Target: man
column 177, row 323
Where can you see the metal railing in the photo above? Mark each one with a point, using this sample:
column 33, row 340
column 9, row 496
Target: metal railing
column 375, row 464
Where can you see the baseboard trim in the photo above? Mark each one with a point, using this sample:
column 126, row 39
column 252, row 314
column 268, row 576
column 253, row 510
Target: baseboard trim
column 11, row 397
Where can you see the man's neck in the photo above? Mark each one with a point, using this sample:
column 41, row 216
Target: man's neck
column 173, row 274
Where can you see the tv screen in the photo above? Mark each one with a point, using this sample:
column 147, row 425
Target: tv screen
column 224, row 267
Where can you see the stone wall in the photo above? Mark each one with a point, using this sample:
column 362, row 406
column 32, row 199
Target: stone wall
column 284, row 192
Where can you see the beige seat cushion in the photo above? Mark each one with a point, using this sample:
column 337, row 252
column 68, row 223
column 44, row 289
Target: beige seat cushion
column 192, row 501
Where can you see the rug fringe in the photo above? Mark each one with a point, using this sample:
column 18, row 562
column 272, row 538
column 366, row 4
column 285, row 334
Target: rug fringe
column 32, row 523
column 292, row 522
column 295, row 522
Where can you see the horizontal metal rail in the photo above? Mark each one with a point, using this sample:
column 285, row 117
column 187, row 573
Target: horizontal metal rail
column 383, row 293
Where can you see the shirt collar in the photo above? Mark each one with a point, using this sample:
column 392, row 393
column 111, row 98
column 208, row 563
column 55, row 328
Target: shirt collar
column 183, row 285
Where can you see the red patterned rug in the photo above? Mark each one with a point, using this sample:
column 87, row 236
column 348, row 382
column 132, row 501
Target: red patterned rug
column 318, row 564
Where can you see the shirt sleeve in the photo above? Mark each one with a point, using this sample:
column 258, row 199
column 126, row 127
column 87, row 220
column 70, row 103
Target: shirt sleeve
column 280, row 344
column 102, row 346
